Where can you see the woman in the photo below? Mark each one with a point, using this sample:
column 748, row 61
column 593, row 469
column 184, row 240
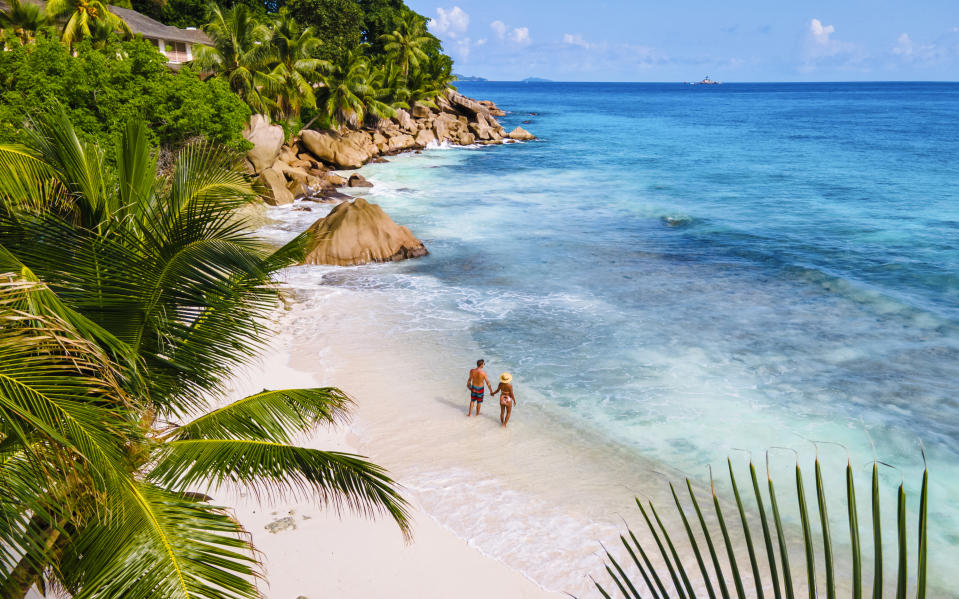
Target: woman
column 507, row 398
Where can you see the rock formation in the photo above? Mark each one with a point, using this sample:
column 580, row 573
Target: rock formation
column 358, row 180
column 341, row 151
column 267, row 142
column 521, row 134
column 273, row 185
column 359, row 233
column 302, row 167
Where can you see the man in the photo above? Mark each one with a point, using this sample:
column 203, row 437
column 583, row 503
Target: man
column 474, row 383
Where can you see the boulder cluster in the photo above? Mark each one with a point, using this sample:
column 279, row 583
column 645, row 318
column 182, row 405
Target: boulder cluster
column 302, row 168
column 357, row 232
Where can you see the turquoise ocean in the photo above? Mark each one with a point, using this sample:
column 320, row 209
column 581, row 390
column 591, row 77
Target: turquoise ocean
column 685, row 272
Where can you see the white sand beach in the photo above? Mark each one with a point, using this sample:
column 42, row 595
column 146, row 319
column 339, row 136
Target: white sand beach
column 312, row 551
column 515, row 512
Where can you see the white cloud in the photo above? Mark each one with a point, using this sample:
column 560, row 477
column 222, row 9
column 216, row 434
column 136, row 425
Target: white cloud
column 944, row 49
column 520, row 35
column 481, row 42
column 822, row 47
column 452, row 22
column 499, row 27
column 819, row 33
column 575, row 40
column 903, row 46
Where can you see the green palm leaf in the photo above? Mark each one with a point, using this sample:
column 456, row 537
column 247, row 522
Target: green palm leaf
column 269, row 416
column 162, row 545
column 677, row 566
column 270, row 468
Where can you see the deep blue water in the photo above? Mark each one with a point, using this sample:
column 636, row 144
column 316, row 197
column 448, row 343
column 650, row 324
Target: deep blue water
column 690, row 269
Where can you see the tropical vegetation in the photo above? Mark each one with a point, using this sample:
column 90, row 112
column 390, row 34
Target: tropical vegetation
column 668, row 570
column 126, row 299
column 328, row 63
column 131, row 286
column 101, row 93
column 286, row 65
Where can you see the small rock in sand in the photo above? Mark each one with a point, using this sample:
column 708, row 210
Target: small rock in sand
column 280, row 525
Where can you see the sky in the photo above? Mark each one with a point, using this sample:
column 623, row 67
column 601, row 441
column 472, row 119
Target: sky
column 685, row 40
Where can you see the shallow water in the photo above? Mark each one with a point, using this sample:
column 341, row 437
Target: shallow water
column 689, row 271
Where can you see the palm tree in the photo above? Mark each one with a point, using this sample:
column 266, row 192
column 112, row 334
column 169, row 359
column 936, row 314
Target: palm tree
column 345, row 86
column 62, row 430
column 241, row 53
column 168, row 288
column 406, row 42
column 770, row 554
column 83, row 14
column 22, row 20
column 378, row 96
column 296, row 69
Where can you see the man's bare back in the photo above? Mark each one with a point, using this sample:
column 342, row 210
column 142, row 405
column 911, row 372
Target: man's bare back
column 476, row 383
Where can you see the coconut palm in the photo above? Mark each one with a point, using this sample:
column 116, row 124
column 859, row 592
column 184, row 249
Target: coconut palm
column 62, row 431
column 22, row 20
column 345, row 86
column 163, row 279
column 241, row 53
column 81, row 16
column 296, row 70
column 768, row 560
column 405, row 43
column 378, row 96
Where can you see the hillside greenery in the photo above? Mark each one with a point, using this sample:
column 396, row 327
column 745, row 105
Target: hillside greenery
column 323, row 63
column 103, row 86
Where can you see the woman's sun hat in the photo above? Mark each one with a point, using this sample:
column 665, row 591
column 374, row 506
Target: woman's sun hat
column 506, row 378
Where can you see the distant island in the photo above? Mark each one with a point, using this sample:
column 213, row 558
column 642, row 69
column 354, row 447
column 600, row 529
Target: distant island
column 469, row 78
column 536, row 80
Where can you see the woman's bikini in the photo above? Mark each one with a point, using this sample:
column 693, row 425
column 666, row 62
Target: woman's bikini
column 506, row 395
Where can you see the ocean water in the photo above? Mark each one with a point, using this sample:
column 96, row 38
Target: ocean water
column 684, row 272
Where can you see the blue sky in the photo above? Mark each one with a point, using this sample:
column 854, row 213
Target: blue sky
column 680, row 40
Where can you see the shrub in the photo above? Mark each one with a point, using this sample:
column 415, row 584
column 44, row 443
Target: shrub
column 101, row 89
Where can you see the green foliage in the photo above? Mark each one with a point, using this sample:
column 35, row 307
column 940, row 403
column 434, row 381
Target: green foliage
column 241, row 54
column 130, row 296
column 338, row 24
column 817, row 546
column 296, row 69
column 101, row 89
column 82, row 16
column 407, row 43
column 380, row 17
column 179, row 13
column 20, row 22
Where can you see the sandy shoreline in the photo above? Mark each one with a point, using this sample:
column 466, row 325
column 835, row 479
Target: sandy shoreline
column 315, row 552
column 515, row 512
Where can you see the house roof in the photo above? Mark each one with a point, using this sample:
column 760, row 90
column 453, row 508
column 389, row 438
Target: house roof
column 143, row 25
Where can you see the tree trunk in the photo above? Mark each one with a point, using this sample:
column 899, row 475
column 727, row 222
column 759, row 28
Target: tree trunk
column 28, row 571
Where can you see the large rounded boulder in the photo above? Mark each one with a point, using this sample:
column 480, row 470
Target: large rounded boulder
column 267, row 142
column 344, row 151
column 359, row 232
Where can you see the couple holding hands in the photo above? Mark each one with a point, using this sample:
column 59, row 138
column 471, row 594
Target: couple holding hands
column 477, row 383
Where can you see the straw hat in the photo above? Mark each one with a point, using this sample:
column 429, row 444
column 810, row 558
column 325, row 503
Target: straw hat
column 506, row 378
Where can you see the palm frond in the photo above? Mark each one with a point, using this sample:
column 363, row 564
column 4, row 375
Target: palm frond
column 276, row 469
column 269, row 416
column 161, row 545
column 781, row 578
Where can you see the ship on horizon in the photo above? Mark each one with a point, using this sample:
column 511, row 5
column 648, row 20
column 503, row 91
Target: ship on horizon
column 706, row 81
